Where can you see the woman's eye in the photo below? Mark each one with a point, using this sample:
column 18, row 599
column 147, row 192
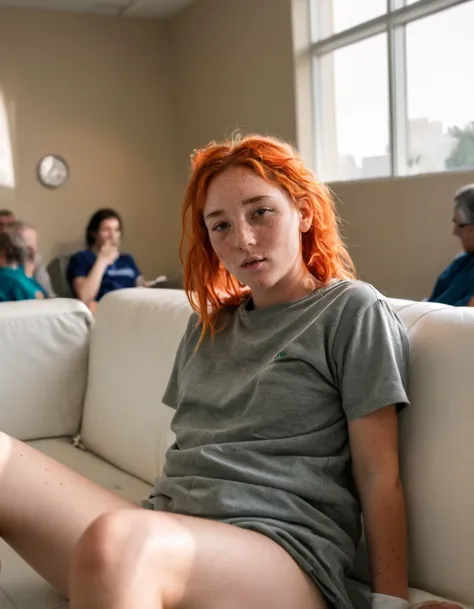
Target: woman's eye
column 262, row 212
column 218, row 228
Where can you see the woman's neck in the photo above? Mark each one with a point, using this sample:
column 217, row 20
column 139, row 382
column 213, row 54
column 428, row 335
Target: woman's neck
column 297, row 284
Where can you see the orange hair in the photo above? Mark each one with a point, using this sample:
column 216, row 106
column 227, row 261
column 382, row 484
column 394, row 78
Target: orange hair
column 208, row 284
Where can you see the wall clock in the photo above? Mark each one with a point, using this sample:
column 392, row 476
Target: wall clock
column 52, row 171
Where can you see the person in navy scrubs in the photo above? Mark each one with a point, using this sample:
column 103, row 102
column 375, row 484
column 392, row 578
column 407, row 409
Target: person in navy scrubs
column 102, row 267
column 455, row 285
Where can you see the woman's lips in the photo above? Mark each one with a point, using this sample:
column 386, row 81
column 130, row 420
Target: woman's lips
column 253, row 264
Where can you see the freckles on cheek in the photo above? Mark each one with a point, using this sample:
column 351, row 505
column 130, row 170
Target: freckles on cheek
column 291, row 237
column 218, row 247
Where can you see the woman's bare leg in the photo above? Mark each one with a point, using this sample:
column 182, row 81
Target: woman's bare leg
column 45, row 508
column 130, row 557
column 153, row 560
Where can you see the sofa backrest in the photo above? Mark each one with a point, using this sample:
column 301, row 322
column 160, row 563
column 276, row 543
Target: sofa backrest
column 437, row 447
column 133, row 345
column 44, row 349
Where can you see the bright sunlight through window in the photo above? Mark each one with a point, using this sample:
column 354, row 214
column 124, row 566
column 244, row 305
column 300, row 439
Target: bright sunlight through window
column 393, row 87
column 7, row 173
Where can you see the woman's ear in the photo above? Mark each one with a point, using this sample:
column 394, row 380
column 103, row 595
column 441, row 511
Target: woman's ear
column 305, row 210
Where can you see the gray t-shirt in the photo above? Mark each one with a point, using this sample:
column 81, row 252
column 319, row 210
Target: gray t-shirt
column 261, row 421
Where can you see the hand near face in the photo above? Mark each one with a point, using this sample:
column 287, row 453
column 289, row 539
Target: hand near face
column 108, row 253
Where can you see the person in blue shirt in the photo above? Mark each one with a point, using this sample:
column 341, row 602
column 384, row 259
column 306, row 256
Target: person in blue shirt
column 14, row 284
column 102, row 268
column 455, row 285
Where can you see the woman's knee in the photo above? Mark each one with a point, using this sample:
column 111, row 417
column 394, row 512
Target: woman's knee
column 104, row 543
column 126, row 541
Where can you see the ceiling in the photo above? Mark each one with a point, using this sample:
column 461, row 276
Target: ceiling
column 120, row 8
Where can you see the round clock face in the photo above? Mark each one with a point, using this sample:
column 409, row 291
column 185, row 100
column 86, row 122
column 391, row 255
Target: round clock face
column 52, row 171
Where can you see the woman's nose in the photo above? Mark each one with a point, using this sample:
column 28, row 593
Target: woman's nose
column 244, row 236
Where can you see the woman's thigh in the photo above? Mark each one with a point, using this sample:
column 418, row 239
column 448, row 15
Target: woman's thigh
column 45, row 508
column 234, row 568
column 194, row 563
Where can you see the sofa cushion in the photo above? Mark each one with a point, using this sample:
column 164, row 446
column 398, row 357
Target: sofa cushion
column 134, row 341
column 94, row 468
column 44, row 348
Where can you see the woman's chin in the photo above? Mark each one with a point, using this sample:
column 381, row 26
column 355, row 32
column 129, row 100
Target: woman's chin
column 254, row 281
column 262, row 284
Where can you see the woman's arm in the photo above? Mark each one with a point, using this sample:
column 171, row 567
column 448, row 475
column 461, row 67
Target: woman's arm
column 374, row 449
column 87, row 288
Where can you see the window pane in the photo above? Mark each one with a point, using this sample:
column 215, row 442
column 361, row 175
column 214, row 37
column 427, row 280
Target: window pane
column 440, row 91
column 352, row 105
column 332, row 16
column 7, row 173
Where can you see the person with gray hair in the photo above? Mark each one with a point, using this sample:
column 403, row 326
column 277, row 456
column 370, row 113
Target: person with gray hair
column 455, row 285
column 14, row 284
column 34, row 266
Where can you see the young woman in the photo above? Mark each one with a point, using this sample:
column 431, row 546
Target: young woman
column 102, row 268
column 286, row 387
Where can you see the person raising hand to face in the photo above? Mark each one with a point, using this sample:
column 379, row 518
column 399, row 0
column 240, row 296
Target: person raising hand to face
column 102, row 267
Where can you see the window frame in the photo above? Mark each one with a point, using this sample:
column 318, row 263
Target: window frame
column 392, row 23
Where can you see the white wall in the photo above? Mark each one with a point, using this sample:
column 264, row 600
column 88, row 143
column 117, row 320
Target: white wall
column 399, row 230
column 127, row 107
column 233, row 69
column 97, row 91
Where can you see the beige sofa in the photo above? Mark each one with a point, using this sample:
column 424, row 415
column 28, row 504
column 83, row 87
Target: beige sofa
column 61, row 373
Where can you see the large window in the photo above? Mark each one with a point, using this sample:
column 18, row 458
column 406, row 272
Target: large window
column 7, row 174
column 393, row 87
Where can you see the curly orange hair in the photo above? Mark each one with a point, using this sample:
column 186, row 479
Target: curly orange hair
column 208, row 284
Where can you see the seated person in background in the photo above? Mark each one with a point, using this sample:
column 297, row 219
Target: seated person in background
column 101, row 268
column 455, row 285
column 7, row 218
column 14, row 284
column 34, row 266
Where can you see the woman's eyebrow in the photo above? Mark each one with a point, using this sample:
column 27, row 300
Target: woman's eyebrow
column 247, row 201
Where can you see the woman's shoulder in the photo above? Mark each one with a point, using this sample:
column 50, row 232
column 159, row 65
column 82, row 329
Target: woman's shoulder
column 356, row 294
column 82, row 255
column 355, row 302
column 126, row 257
column 24, row 286
column 460, row 262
